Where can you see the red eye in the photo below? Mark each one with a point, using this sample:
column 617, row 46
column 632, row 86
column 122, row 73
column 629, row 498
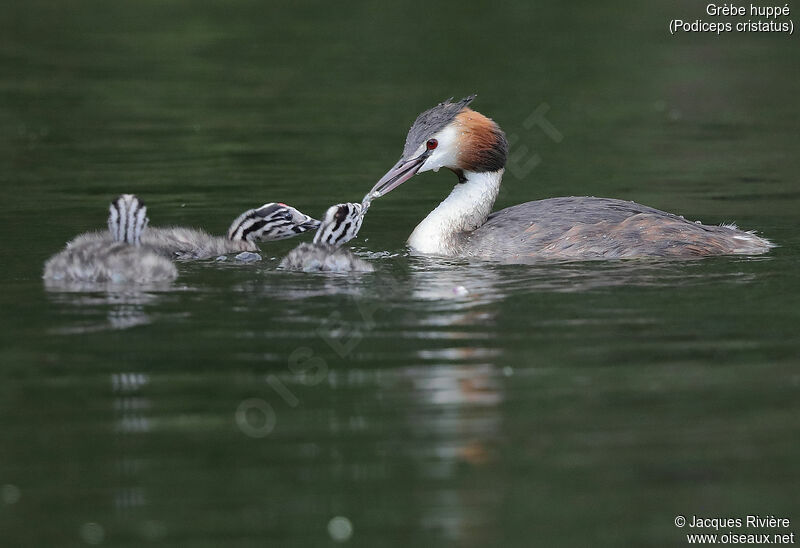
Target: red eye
column 432, row 144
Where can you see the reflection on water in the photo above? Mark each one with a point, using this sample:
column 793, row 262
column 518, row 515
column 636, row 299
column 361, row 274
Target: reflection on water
column 131, row 410
column 440, row 419
column 462, row 431
column 122, row 307
column 435, row 279
column 429, row 424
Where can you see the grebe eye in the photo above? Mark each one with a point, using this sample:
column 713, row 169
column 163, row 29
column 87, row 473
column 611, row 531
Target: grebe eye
column 432, row 144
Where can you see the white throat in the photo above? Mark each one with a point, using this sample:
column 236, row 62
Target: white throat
column 464, row 210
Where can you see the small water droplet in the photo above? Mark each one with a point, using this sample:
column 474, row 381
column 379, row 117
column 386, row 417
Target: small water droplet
column 340, row 529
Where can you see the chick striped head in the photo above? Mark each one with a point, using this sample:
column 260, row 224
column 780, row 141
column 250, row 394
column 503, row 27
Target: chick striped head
column 340, row 224
column 272, row 221
column 127, row 219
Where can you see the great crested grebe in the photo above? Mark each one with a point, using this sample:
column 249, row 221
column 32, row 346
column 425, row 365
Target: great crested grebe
column 270, row 222
column 340, row 224
column 120, row 257
column 474, row 147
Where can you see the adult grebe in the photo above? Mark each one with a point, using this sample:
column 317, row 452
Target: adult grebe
column 119, row 257
column 340, row 224
column 270, row 222
column 474, row 147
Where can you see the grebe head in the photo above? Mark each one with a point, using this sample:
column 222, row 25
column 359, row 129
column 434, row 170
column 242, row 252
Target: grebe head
column 341, row 223
column 449, row 135
column 127, row 219
column 272, row 221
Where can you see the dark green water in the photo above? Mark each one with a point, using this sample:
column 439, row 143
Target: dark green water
column 551, row 405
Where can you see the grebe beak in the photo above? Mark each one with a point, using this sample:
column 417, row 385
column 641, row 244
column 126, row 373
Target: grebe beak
column 399, row 174
column 309, row 224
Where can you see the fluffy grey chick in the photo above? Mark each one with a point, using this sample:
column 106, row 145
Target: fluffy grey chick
column 340, row 224
column 118, row 257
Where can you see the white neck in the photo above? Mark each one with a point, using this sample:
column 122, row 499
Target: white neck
column 464, row 210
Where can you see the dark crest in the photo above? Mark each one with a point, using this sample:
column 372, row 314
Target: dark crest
column 431, row 121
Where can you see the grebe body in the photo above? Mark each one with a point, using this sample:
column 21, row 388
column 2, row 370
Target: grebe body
column 453, row 136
